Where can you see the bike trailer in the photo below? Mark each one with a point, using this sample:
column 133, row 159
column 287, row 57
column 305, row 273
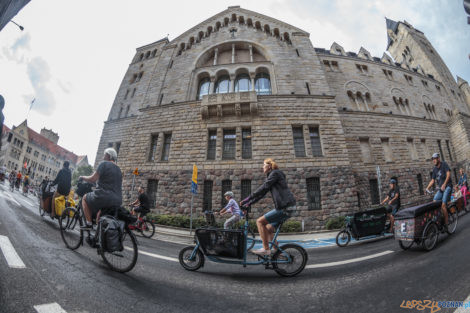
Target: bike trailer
column 410, row 222
column 221, row 242
column 369, row 222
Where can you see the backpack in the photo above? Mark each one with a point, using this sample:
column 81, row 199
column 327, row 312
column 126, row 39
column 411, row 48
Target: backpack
column 111, row 231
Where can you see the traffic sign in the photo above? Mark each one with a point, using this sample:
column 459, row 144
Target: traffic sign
column 194, row 180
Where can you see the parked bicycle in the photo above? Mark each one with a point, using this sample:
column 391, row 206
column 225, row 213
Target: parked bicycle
column 121, row 257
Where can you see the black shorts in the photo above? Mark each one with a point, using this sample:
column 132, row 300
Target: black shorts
column 393, row 209
column 143, row 211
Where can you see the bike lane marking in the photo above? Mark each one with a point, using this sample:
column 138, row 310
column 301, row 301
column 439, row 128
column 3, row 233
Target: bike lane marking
column 368, row 257
column 9, row 252
column 49, row 308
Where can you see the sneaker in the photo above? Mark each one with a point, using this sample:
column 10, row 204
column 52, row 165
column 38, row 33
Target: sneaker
column 261, row 251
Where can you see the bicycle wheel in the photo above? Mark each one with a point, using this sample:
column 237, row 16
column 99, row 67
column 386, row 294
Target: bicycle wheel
column 431, row 234
column 188, row 263
column 453, row 220
column 343, row 238
column 125, row 260
column 289, row 260
column 405, row 244
column 148, row 229
column 70, row 228
column 250, row 240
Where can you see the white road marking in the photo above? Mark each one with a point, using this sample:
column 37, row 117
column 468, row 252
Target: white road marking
column 464, row 309
column 12, row 199
column 158, row 256
column 350, row 260
column 49, row 308
column 13, row 259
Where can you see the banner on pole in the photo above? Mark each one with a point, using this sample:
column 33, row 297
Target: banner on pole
column 194, row 180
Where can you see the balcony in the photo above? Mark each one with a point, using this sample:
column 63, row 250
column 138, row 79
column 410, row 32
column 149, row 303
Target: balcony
column 229, row 104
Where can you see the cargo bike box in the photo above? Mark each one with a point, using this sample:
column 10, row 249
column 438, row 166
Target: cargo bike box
column 363, row 224
column 410, row 222
column 221, row 242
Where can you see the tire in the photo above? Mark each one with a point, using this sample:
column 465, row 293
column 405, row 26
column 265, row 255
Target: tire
column 70, row 231
column 125, row 260
column 343, row 238
column 148, row 229
column 453, row 221
column 431, row 235
column 405, row 244
column 298, row 257
column 250, row 240
column 191, row 265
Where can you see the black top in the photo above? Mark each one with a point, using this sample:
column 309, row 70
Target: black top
column 109, row 184
column 277, row 184
column 439, row 174
column 63, row 181
column 144, row 201
column 392, row 193
column 417, row 210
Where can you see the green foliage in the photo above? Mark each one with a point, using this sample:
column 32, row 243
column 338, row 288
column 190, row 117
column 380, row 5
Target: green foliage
column 85, row 170
column 335, row 222
column 291, row 226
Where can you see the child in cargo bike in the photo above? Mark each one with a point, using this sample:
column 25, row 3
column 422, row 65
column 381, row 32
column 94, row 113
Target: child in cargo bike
column 393, row 202
column 231, row 208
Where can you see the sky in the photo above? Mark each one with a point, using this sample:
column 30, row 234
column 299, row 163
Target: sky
column 72, row 55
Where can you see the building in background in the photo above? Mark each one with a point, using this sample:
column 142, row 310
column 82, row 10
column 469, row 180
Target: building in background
column 37, row 153
column 241, row 86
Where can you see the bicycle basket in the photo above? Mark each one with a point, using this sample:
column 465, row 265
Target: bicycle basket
column 221, row 242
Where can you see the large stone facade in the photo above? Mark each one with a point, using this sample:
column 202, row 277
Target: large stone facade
column 330, row 118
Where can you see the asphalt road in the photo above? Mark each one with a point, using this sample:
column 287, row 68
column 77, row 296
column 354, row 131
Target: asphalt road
column 79, row 281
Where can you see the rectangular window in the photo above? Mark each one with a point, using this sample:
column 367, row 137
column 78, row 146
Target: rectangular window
column 127, row 93
column 308, row 88
column 374, row 191
column 448, row 150
column 226, row 186
column 230, row 137
column 440, row 150
column 166, row 147
column 420, row 184
column 362, row 68
column 28, row 149
column 424, row 150
column 246, row 143
column 152, row 187
column 299, row 143
column 153, row 148
column 335, row 66
column 246, row 188
column 315, row 141
column 365, row 150
column 211, row 144
column 207, row 195
column 387, row 150
column 327, row 65
column 117, row 147
column 313, row 193
column 388, row 74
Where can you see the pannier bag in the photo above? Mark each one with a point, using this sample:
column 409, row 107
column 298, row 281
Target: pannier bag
column 60, row 203
column 111, row 231
column 221, row 242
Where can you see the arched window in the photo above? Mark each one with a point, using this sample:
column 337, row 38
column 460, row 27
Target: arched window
column 226, row 20
column 242, row 83
column 217, row 26
column 263, row 84
column 141, row 57
column 223, row 84
column 147, row 55
column 249, row 22
column 154, row 53
column 203, row 88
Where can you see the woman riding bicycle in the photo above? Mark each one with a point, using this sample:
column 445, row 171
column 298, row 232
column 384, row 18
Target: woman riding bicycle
column 283, row 199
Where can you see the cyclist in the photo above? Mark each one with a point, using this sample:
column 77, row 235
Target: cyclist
column 64, row 183
column 25, row 184
column 18, row 180
column 12, row 178
column 393, row 201
column 441, row 176
column 108, row 192
column 284, row 203
column 231, row 208
column 141, row 205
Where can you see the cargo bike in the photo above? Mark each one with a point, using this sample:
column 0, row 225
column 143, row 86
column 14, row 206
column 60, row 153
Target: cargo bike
column 232, row 247
column 423, row 223
column 363, row 224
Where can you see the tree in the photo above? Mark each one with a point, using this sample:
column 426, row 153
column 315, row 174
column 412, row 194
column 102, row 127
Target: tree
column 81, row 171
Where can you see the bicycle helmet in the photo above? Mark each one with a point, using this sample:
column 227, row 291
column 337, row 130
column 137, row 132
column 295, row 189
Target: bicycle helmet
column 228, row 193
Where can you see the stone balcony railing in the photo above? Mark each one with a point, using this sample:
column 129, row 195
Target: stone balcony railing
column 229, row 104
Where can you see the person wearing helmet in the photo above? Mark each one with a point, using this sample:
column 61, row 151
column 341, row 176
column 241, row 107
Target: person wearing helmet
column 231, row 208
column 441, row 177
column 108, row 191
column 393, row 202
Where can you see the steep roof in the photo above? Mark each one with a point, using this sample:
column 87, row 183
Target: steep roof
column 5, row 129
column 393, row 26
column 42, row 141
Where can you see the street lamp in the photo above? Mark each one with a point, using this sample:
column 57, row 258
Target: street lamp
column 21, row 27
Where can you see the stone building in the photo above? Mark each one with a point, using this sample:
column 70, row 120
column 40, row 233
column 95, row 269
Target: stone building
column 242, row 86
column 39, row 151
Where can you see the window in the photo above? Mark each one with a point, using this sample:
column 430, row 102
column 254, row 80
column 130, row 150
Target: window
column 246, row 143
column 262, row 84
column 440, row 150
column 409, row 79
column 448, row 150
column 439, row 90
column 327, row 65
column 223, row 84
column 226, row 186
column 297, row 51
column 127, row 93
column 203, row 88
column 28, row 149
column 242, row 83
column 161, row 99
column 365, row 150
column 207, row 195
column 152, row 188
column 374, row 191
column 388, row 74
column 424, row 150
column 127, row 110
column 419, row 178
column 387, row 150
column 166, row 147
column 211, row 144
column 229, row 144
column 362, row 68
column 133, row 93
column 313, row 193
column 315, row 141
column 299, row 144
column 308, row 88
column 425, row 83
column 118, row 147
column 246, row 188
column 412, row 148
